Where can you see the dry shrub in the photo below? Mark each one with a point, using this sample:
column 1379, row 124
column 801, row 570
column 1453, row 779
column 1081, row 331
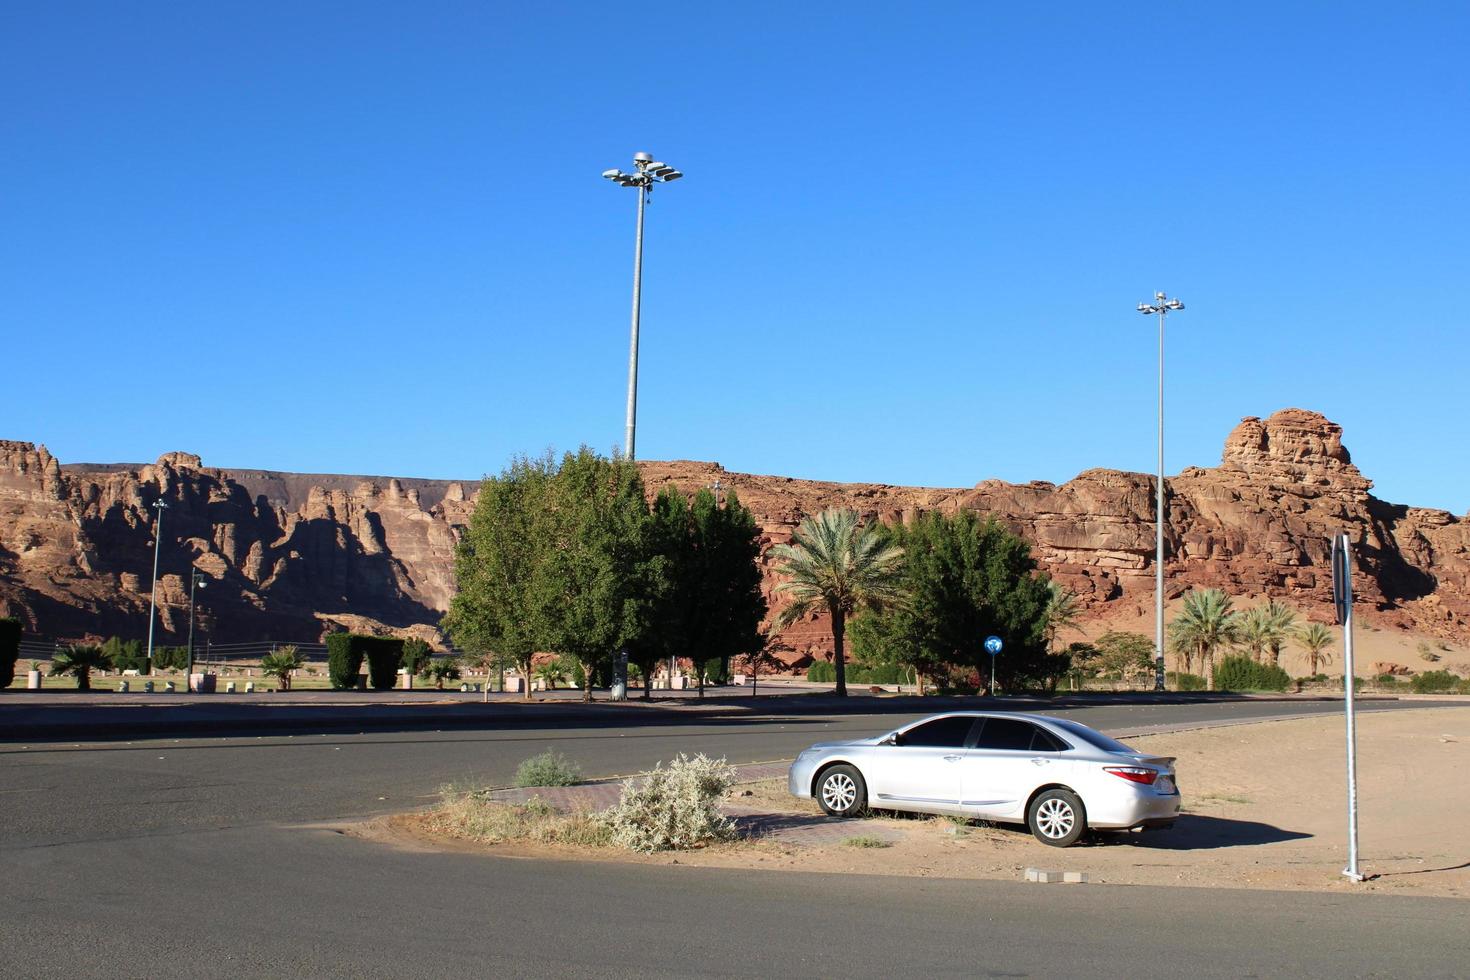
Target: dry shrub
column 472, row 816
column 674, row 808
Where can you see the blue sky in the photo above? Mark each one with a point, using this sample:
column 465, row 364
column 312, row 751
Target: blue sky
column 361, row 237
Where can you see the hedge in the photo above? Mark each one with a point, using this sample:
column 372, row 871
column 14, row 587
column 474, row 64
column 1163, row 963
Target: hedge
column 417, row 656
column 344, row 661
column 824, row 672
column 9, row 650
column 1184, row 682
column 1244, row 674
column 384, row 656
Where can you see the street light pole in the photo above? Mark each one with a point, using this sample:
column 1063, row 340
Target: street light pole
column 159, row 506
column 195, row 578
column 646, row 172
column 1160, row 307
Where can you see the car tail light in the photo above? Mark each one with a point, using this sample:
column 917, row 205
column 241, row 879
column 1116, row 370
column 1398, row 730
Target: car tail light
column 1134, row 774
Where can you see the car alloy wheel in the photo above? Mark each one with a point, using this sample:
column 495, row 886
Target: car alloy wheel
column 841, row 791
column 1056, row 818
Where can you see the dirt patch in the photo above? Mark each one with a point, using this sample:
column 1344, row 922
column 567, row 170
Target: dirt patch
column 1264, row 808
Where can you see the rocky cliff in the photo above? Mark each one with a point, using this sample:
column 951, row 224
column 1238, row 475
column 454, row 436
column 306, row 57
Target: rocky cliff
column 288, row 556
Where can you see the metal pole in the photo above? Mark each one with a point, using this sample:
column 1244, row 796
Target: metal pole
column 1159, row 669
column 1351, row 871
column 189, row 670
column 160, row 506
column 633, row 345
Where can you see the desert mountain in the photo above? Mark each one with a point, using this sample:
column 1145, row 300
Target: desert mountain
column 290, row 556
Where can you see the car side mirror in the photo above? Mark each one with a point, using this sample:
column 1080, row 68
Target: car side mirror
column 894, row 739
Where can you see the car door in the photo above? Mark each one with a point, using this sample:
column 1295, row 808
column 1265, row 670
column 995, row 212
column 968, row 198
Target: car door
column 922, row 771
column 1009, row 759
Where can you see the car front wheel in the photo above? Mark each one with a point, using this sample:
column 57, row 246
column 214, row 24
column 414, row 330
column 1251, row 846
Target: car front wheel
column 841, row 792
column 1056, row 817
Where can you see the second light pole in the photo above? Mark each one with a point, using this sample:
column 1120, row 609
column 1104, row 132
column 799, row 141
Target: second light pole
column 1161, row 307
column 646, row 172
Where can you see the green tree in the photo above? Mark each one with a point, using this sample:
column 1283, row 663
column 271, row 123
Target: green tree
column 446, row 669
column 1061, row 611
column 761, row 660
column 1205, row 624
column 835, row 564
column 1127, row 656
column 594, row 598
column 79, row 660
column 416, row 656
column 125, row 654
column 1315, row 639
column 664, row 630
column 1254, row 632
column 282, row 663
column 503, row 568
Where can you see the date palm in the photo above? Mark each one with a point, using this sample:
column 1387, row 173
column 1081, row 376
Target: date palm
column 1206, row 623
column 1315, row 638
column 1061, row 610
column 836, row 564
column 79, row 660
column 1280, row 626
column 1254, row 633
column 282, row 663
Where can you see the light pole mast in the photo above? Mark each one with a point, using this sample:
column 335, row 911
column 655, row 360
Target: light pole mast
column 196, row 578
column 646, row 172
column 159, row 506
column 1160, row 307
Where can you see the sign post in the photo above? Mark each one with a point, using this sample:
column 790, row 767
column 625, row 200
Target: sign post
column 1342, row 601
column 993, row 647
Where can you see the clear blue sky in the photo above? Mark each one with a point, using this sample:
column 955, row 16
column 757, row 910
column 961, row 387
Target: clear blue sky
column 362, row 237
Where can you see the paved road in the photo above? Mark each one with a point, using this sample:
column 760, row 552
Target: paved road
column 186, row 858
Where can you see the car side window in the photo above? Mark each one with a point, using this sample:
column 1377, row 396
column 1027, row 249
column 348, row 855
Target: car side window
column 1045, row 741
column 1007, row 734
column 948, row 733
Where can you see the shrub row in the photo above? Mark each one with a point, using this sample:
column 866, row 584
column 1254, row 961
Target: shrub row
column 823, row 672
column 1245, row 674
column 347, row 651
column 9, row 649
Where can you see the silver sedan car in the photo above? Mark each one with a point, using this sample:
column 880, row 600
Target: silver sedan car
column 1057, row 777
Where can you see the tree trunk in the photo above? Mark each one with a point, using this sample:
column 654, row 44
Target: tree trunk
column 699, row 669
column 586, row 683
column 647, row 683
column 839, row 631
column 84, row 681
column 525, row 666
column 1210, row 670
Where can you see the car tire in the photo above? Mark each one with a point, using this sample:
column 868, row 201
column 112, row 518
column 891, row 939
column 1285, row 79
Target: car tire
column 1056, row 817
column 841, row 792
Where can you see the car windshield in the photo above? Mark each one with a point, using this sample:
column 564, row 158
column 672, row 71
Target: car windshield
column 1093, row 738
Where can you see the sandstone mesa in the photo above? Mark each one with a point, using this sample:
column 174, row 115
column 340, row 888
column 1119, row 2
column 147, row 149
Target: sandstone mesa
column 295, row 555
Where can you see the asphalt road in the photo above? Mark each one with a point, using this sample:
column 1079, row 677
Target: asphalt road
column 190, row 858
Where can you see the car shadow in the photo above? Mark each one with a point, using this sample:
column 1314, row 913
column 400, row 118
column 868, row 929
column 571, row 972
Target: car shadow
column 1196, row 832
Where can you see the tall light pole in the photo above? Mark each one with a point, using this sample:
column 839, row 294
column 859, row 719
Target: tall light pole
column 196, row 577
column 646, row 172
column 159, row 506
column 1160, row 307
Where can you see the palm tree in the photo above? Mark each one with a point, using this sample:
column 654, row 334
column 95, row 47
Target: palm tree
column 79, row 660
column 1204, row 624
column 836, row 564
column 1280, row 625
column 1314, row 638
column 1061, row 610
column 1253, row 634
column 282, row 663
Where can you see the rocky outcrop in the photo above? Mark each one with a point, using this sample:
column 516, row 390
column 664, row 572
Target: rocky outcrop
column 293, row 554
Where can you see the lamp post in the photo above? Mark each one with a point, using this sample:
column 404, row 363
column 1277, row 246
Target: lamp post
column 159, row 506
column 195, row 578
column 1160, row 307
column 646, row 172
column 717, row 487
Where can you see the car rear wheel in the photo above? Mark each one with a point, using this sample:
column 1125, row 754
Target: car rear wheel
column 1056, row 817
column 841, row 792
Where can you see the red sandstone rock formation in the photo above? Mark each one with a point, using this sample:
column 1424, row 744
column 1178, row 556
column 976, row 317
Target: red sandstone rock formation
column 294, row 554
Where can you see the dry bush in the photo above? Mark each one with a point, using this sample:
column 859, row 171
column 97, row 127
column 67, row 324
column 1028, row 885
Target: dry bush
column 674, row 808
column 470, row 815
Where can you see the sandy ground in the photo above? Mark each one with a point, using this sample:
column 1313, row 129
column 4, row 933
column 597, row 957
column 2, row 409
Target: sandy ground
column 1264, row 808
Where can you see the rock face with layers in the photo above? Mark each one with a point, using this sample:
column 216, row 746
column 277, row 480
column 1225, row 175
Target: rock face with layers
column 293, row 555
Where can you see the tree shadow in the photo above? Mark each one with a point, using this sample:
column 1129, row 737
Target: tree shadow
column 1196, row 832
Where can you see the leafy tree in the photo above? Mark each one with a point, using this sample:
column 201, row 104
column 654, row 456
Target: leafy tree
column 79, row 660
column 764, row 658
column 125, row 655
column 416, row 656
column 1061, row 611
column 1254, row 632
column 503, row 566
column 10, row 632
column 282, row 663
column 447, row 669
column 664, row 630
column 598, row 562
column 1315, row 639
column 1205, row 624
column 967, row 578
column 834, row 563
column 1128, row 656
